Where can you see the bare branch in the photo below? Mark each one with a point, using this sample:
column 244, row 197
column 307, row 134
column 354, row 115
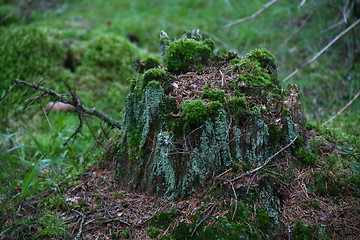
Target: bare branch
column 343, row 109
column 64, row 99
column 322, row 50
column 7, row 92
column 301, row 4
column 265, row 163
column 266, row 6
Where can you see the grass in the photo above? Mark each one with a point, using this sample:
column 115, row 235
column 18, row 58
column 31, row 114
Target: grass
column 32, row 160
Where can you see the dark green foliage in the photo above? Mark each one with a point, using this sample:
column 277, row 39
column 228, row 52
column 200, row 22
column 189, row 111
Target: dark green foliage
column 195, row 112
column 26, row 52
column 306, row 157
column 214, row 95
column 185, row 55
column 302, row 232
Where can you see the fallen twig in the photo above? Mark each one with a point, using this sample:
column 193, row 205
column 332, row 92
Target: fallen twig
column 322, row 50
column 64, row 99
column 202, row 220
column 7, row 92
column 343, row 109
column 266, row 162
column 266, row 6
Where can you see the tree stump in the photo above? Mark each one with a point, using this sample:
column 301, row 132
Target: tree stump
column 201, row 115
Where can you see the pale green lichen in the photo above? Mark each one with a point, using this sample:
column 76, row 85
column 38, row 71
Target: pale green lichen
column 271, row 203
column 141, row 112
column 257, row 138
column 291, row 129
column 237, row 139
column 163, row 166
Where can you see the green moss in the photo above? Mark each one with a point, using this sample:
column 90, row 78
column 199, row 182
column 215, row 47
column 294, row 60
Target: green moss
column 186, row 55
column 267, row 61
column 302, row 232
column 29, row 52
column 306, row 157
column 238, row 106
column 195, row 112
column 252, row 73
column 109, row 57
column 214, row 95
column 151, row 62
column 156, row 74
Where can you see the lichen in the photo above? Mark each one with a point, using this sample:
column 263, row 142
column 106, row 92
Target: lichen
column 257, row 139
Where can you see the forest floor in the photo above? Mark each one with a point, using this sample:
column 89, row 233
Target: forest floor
column 98, row 207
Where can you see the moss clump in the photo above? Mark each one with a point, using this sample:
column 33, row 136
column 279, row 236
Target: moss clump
column 26, row 52
column 109, row 57
column 195, row 112
column 162, row 219
column 252, row 73
column 238, row 106
column 306, row 157
column 184, row 55
column 155, row 74
column 214, row 95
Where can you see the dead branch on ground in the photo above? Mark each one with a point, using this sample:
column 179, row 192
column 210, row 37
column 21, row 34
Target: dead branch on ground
column 322, row 50
column 265, row 163
column 266, row 6
column 342, row 109
column 64, row 99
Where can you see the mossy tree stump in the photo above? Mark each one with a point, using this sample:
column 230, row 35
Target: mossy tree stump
column 201, row 115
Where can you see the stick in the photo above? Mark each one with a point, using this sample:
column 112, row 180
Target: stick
column 322, row 50
column 63, row 99
column 266, row 162
column 343, row 109
column 266, row 6
column 7, row 92
column 202, row 220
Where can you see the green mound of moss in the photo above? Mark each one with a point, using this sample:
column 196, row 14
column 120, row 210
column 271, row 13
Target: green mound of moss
column 29, row 51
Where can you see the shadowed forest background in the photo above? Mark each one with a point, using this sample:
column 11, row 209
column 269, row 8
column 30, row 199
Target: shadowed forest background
column 90, row 47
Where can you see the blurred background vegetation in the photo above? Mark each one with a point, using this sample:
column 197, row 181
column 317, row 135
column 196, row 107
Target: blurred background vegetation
column 91, row 46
